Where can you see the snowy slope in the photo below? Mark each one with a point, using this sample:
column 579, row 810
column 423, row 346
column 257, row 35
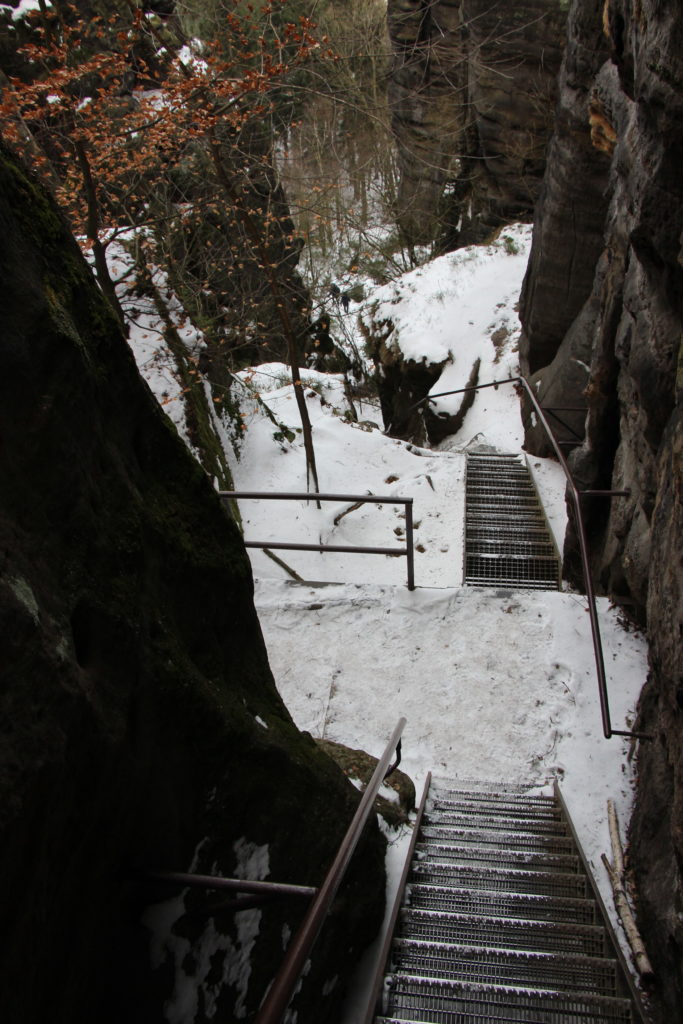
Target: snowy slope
column 496, row 685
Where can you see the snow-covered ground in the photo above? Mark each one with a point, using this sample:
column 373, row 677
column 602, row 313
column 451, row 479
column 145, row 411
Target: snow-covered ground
column 496, row 685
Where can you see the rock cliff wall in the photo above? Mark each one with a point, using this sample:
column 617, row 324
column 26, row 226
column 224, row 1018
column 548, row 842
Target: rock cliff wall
column 472, row 91
column 603, row 314
column 140, row 726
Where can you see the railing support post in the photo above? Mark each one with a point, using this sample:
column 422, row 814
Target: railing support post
column 410, row 547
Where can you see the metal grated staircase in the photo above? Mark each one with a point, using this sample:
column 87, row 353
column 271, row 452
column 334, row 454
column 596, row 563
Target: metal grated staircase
column 507, row 540
column 500, row 922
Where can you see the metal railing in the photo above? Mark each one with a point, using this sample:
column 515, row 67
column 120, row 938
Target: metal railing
column 280, row 992
column 576, row 496
column 372, row 1006
column 369, row 499
column 247, row 893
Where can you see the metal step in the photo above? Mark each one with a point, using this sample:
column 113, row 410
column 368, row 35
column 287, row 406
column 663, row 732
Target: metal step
column 431, row 850
column 496, row 807
column 486, row 525
column 512, row 906
column 504, row 967
column 492, row 823
column 483, row 838
column 496, row 803
column 478, row 787
column 490, row 879
column 493, row 547
column 509, row 573
column 497, row 582
column 507, row 541
column 515, row 934
column 442, row 1002
column 499, row 921
column 497, row 502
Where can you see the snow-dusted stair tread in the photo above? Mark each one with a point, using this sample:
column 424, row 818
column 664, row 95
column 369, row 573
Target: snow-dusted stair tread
column 499, row 922
column 482, row 964
column 510, row 906
column 507, row 540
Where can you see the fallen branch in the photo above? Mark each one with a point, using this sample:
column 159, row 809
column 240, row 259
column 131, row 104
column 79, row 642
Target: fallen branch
column 351, row 508
column 616, row 877
column 283, row 565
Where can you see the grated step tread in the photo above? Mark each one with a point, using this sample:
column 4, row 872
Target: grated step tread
column 431, row 850
column 492, row 823
column 494, row 789
column 497, row 805
column 481, row 838
column 520, row 934
column 447, row 1002
column 507, row 540
column 512, row 880
column 560, row 974
column 505, row 905
column 477, row 963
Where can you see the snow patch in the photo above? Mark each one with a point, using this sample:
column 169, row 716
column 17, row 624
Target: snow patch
column 23, row 593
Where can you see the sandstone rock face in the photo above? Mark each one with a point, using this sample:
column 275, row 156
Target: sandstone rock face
column 140, row 726
column 472, row 92
column 570, row 216
column 625, row 307
column 427, row 89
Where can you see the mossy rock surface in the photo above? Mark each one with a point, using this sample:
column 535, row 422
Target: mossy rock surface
column 140, row 727
column 359, row 765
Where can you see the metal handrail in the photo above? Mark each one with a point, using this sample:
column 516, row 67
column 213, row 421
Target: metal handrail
column 383, row 958
column 280, row 992
column 255, row 888
column 370, row 499
column 576, row 495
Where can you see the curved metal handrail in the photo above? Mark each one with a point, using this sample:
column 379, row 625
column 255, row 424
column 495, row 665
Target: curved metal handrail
column 280, row 992
column 576, row 495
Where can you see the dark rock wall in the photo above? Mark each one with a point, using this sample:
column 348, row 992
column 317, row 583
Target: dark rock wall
column 427, row 96
column 472, row 91
column 570, row 215
column 513, row 58
column 622, row 320
column 132, row 672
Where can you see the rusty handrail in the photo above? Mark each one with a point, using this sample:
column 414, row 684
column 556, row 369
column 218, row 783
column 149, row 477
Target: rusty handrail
column 583, row 544
column 280, row 992
column 370, row 499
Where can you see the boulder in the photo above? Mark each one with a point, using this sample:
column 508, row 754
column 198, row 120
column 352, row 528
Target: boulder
column 141, row 728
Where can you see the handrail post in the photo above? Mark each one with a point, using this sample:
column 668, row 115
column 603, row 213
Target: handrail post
column 410, row 548
column 280, row 992
column 585, row 563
